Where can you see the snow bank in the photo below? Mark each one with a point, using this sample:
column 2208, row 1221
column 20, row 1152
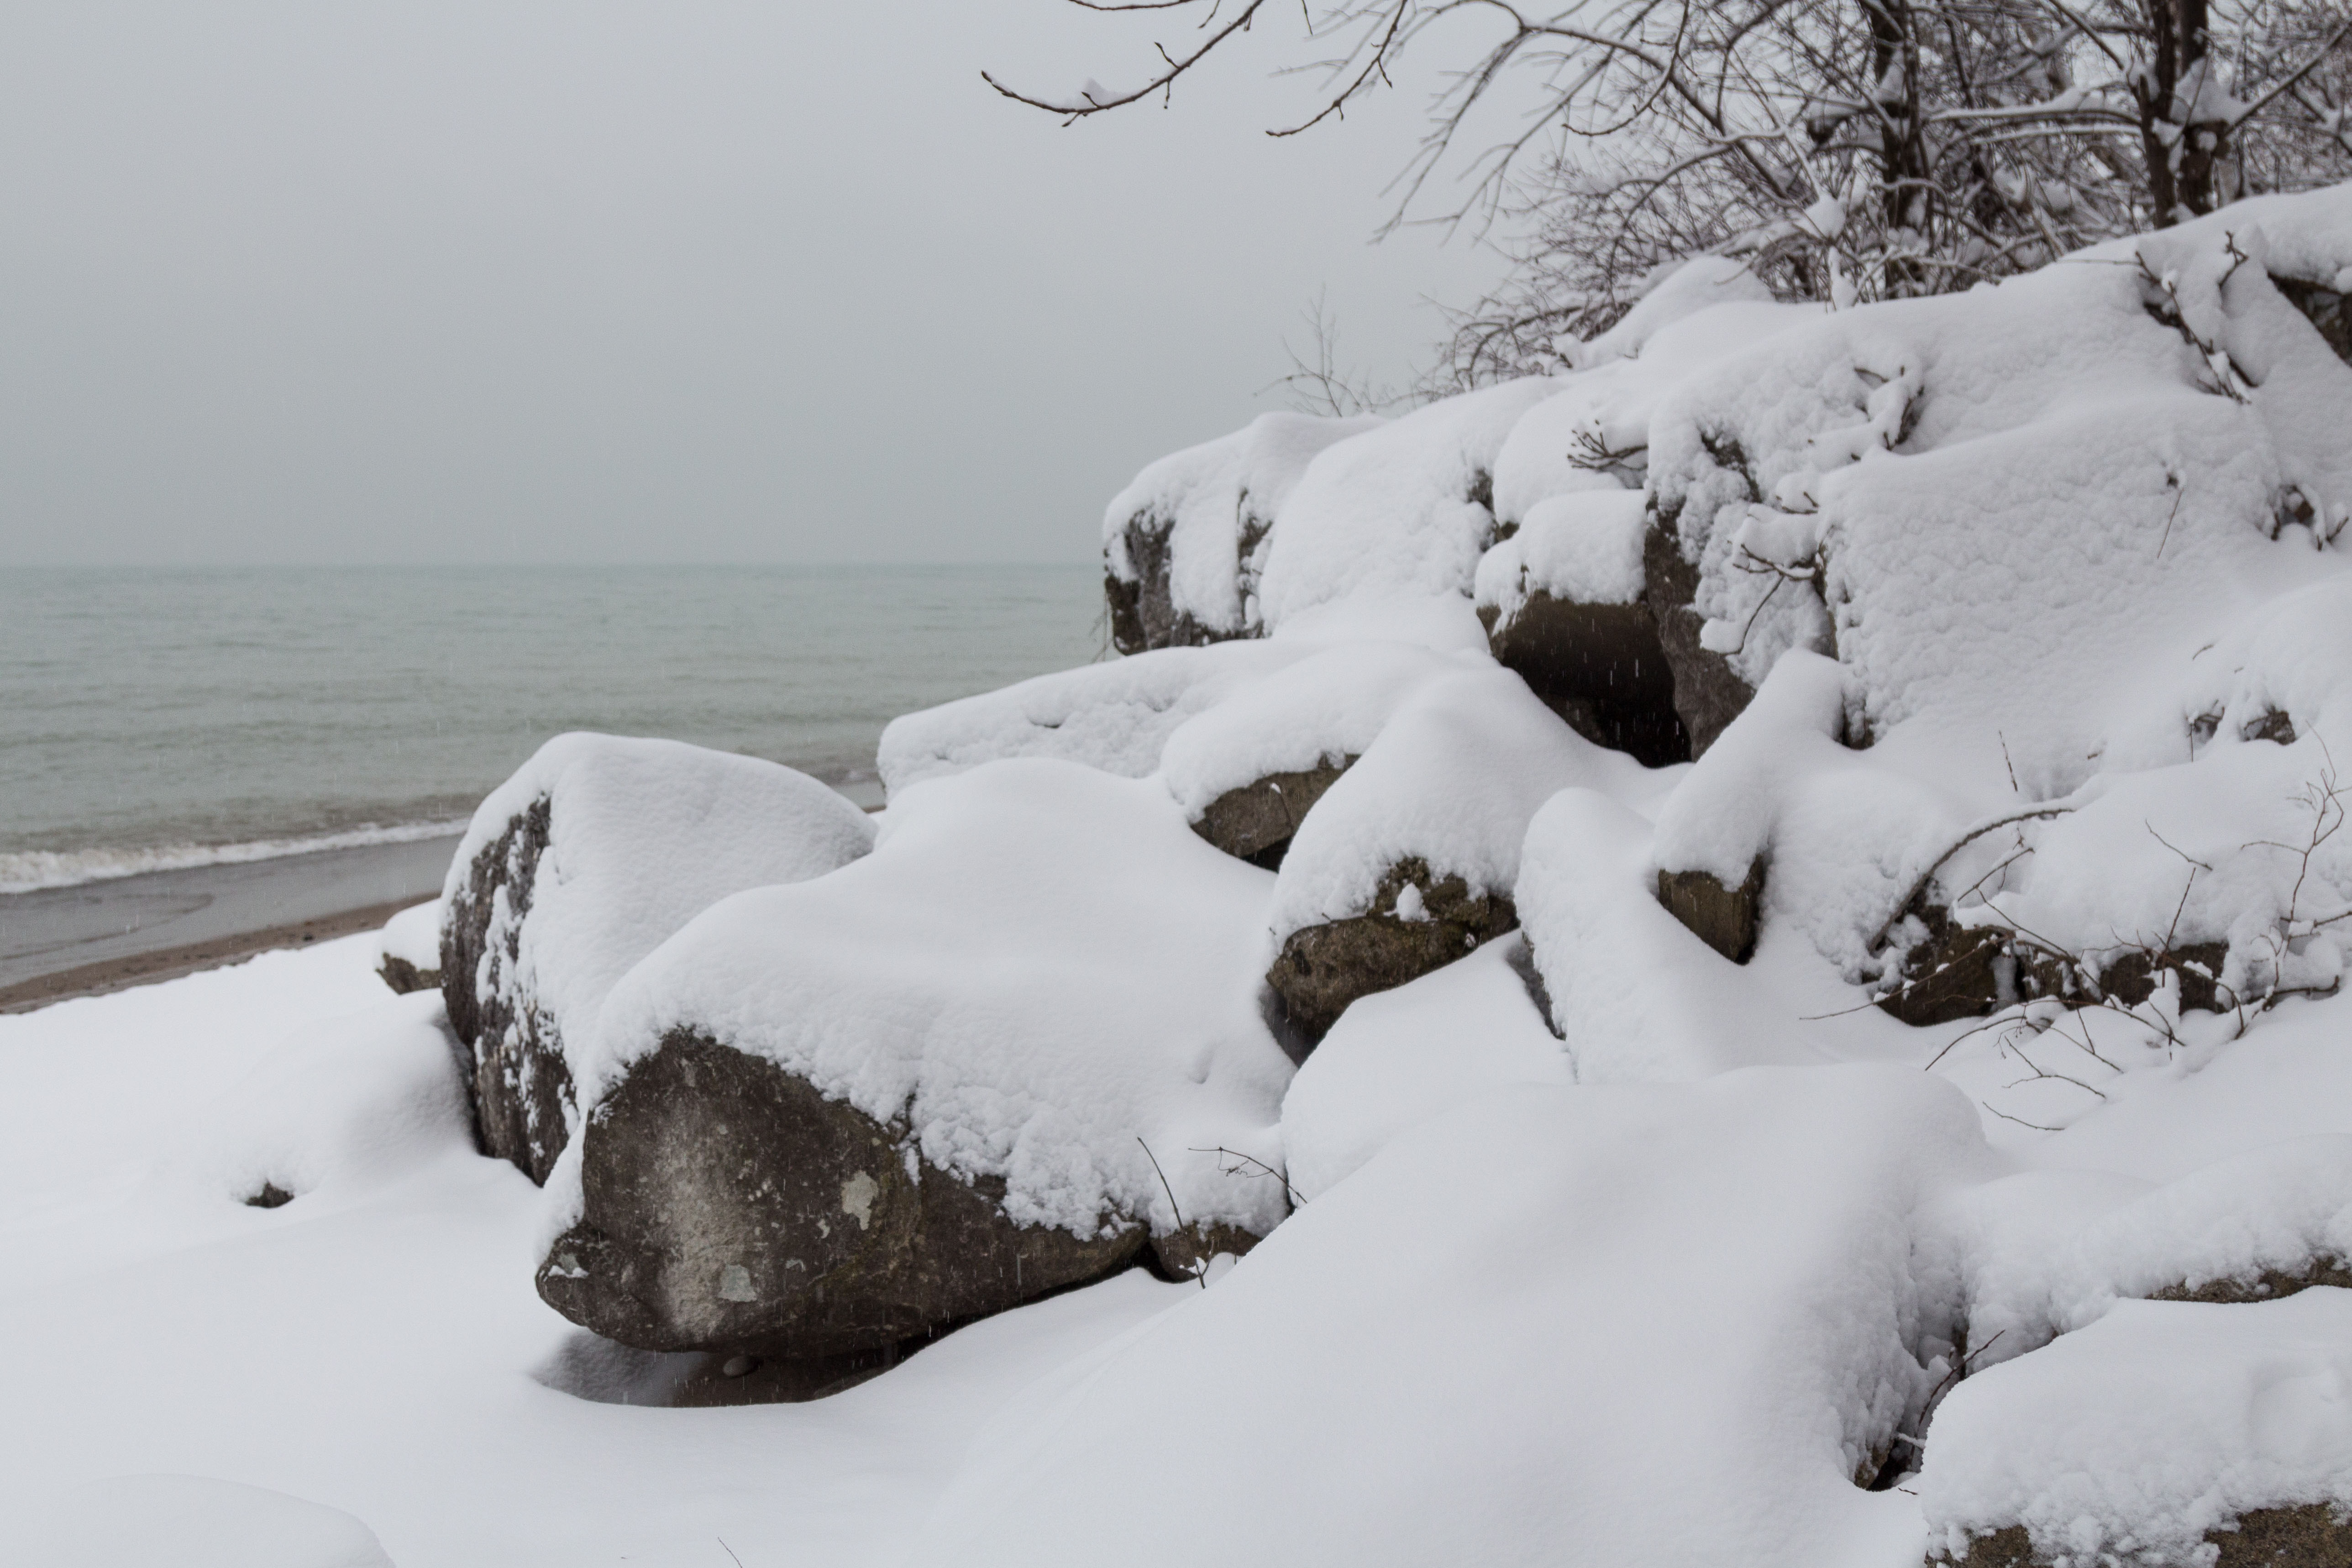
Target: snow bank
column 1594, row 433
column 1397, row 512
column 188, row 1522
column 1116, row 715
column 346, row 1103
column 1192, row 526
column 1636, row 997
column 2129, row 1440
column 1605, row 1325
column 1401, row 1058
column 1453, row 780
column 1038, row 965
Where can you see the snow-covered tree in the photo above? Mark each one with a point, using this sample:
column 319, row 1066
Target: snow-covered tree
column 1848, row 150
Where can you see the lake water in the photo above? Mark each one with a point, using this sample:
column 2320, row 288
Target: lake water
column 157, row 718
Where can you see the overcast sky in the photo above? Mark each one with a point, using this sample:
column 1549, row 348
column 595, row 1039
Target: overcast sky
column 484, row 280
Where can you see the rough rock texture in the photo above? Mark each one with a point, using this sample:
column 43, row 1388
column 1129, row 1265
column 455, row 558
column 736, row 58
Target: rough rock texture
column 728, row 1205
column 404, row 976
column 1708, row 693
column 1322, row 968
column 1255, row 821
column 2268, row 1286
column 522, row 1087
column 1601, row 667
column 1966, row 971
column 1725, row 918
column 1143, row 614
column 1184, row 1253
column 2311, row 1536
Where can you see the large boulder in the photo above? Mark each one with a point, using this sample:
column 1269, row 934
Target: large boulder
column 728, row 1203
column 1014, row 1047
column 1563, row 604
column 1410, row 861
column 582, row 863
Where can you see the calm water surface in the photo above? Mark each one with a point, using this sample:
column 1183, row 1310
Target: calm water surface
column 152, row 717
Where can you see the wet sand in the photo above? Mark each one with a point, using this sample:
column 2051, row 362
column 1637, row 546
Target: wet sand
column 104, row 936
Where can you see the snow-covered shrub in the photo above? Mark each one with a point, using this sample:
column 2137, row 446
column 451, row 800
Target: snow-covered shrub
column 594, row 852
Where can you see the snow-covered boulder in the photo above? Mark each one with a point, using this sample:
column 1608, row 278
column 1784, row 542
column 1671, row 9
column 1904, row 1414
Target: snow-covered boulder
column 1409, row 862
column 1397, row 515
column 408, row 955
column 2166, row 1435
column 1564, row 603
column 995, row 1057
column 1247, row 771
column 1184, row 543
column 1999, row 506
column 1116, row 715
column 1617, row 1325
column 582, row 863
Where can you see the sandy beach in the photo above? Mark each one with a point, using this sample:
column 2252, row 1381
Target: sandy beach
column 99, row 936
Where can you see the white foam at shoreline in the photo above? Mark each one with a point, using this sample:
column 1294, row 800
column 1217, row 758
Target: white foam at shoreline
column 30, row 871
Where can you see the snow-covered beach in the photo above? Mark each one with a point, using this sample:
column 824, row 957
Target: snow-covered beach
column 1730, row 955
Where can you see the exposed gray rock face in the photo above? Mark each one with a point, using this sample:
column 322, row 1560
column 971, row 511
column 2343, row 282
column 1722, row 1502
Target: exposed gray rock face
column 1708, row 693
column 522, row 1087
column 1322, row 968
column 1143, row 614
column 1257, row 822
column 728, row 1205
column 404, row 976
column 1725, row 918
column 1601, row 667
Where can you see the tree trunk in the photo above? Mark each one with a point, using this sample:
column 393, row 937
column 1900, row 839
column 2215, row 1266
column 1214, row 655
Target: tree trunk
column 1906, row 187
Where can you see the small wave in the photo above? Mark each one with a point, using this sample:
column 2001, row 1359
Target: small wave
column 29, row 871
